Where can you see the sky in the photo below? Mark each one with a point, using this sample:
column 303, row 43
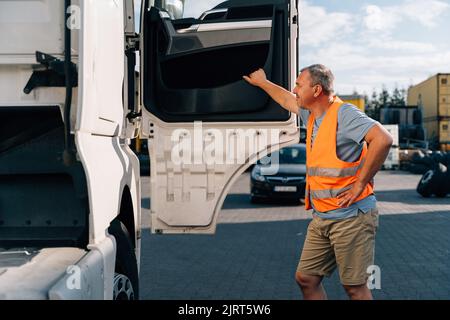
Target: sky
column 371, row 43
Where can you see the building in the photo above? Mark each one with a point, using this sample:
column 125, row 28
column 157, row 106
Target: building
column 433, row 96
column 357, row 100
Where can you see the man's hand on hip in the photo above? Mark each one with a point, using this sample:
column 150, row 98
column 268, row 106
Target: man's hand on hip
column 348, row 197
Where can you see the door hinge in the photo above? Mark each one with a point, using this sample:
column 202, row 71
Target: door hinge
column 134, row 117
column 132, row 42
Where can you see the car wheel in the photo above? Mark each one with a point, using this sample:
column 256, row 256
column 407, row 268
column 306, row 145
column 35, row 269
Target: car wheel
column 255, row 200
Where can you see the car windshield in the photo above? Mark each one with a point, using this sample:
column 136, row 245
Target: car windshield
column 290, row 155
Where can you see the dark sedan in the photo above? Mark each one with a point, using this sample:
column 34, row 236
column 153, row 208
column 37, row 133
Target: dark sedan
column 286, row 182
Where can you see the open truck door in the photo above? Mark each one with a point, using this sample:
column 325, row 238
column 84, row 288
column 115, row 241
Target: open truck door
column 205, row 124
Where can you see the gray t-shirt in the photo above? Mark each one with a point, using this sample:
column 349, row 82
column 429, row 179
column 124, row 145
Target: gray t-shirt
column 353, row 126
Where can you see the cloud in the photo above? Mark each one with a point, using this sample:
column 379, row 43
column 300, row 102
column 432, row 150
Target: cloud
column 375, row 47
column 426, row 12
column 387, row 43
column 354, row 57
column 379, row 19
column 357, row 67
column 317, row 26
column 386, row 18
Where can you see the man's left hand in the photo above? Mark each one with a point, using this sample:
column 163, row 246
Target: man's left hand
column 348, row 197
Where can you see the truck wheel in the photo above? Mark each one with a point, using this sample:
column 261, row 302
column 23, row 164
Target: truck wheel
column 126, row 278
column 122, row 288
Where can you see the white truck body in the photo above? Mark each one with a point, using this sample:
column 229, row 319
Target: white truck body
column 60, row 219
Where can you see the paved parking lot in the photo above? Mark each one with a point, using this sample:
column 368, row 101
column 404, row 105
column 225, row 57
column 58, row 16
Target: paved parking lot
column 255, row 251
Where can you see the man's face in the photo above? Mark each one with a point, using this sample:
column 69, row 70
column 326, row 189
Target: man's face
column 303, row 90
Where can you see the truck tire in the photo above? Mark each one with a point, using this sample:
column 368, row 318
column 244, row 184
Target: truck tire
column 425, row 186
column 422, row 160
column 441, row 185
column 447, row 159
column 441, row 193
column 126, row 278
column 437, row 156
column 418, row 168
column 417, row 157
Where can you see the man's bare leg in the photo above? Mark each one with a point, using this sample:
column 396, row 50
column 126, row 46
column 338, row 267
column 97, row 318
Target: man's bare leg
column 358, row 292
column 311, row 286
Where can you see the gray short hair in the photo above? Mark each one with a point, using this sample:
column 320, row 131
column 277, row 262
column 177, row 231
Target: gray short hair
column 322, row 75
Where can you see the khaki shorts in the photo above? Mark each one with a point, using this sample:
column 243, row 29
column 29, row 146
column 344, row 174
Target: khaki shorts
column 348, row 244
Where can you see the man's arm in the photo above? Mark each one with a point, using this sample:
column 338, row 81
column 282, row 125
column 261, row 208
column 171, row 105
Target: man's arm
column 282, row 96
column 379, row 143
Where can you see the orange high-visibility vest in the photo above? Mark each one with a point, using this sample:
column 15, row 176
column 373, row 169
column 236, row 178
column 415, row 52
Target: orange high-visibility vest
column 327, row 176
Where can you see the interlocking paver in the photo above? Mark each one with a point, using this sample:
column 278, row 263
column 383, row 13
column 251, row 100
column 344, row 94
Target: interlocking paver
column 256, row 249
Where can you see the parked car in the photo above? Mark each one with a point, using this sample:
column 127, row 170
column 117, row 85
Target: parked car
column 289, row 181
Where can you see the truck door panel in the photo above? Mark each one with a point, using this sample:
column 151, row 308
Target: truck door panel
column 193, row 95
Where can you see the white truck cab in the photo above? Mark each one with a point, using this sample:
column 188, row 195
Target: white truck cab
column 71, row 102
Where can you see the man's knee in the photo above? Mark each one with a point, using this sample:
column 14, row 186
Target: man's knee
column 307, row 281
column 360, row 292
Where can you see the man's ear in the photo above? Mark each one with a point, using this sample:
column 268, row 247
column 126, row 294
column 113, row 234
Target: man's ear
column 317, row 90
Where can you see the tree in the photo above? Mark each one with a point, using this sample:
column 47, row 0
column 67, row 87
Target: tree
column 398, row 98
column 384, row 98
column 373, row 106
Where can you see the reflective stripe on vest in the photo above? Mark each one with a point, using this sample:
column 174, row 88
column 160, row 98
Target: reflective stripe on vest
column 327, row 193
column 334, row 172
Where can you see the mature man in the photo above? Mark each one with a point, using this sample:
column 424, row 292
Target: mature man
column 345, row 149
